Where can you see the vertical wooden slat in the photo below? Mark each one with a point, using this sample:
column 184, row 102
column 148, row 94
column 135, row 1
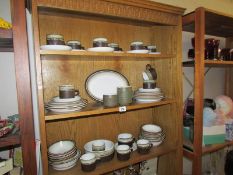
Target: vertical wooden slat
column 23, row 86
column 229, row 72
column 199, row 86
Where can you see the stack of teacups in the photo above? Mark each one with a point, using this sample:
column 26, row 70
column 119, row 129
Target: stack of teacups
column 143, row 146
column 123, row 152
column 63, row 155
column 88, row 162
column 125, row 139
column 153, row 133
column 125, row 95
column 110, row 100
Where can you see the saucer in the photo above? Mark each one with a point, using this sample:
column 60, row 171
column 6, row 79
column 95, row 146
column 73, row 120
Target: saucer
column 137, row 51
column 155, row 53
column 149, row 90
column 55, row 47
column 100, row 49
column 134, row 146
column 79, row 50
column 64, row 100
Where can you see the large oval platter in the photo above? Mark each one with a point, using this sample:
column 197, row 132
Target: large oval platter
column 104, row 82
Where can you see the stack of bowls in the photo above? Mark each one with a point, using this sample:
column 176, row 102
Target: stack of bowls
column 103, row 155
column 125, row 95
column 63, row 155
column 153, row 133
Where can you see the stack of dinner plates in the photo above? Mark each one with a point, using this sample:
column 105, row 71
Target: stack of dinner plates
column 63, row 155
column 148, row 95
column 153, row 133
column 63, row 105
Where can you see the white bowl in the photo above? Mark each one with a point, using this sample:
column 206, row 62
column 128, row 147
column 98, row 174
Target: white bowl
column 61, row 147
column 109, row 146
column 151, row 128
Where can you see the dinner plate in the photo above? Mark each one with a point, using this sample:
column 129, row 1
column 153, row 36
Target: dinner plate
column 64, row 110
column 100, row 49
column 55, row 47
column 149, row 90
column 147, row 100
column 104, row 82
column 65, row 100
column 137, row 51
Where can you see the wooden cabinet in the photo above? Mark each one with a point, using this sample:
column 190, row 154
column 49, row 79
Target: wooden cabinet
column 204, row 21
column 122, row 22
column 26, row 137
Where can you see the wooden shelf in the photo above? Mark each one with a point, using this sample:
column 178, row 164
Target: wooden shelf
column 205, row 149
column 98, row 109
column 217, row 24
column 10, row 140
column 116, row 164
column 6, row 40
column 103, row 54
column 210, row 63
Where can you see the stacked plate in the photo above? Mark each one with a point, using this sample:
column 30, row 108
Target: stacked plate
column 153, row 133
column 148, row 95
column 103, row 156
column 63, row 155
column 62, row 105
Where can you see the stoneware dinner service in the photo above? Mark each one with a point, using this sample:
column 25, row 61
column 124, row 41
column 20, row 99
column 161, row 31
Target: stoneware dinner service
column 153, row 133
column 63, row 155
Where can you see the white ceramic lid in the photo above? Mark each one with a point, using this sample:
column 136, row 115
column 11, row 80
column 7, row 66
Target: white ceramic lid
column 151, row 128
column 113, row 45
column 54, row 36
column 151, row 47
column 100, row 39
column 137, row 43
column 74, row 42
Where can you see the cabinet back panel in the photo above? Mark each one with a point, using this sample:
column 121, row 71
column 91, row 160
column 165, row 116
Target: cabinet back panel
column 71, row 71
column 99, row 127
column 85, row 30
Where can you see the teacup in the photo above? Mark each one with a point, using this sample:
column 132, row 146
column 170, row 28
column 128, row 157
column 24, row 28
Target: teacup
column 110, row 100
column 98, row 145
column 123, row 152
column 74, row 44
column 125, row 139
column 149, row 84
column 137, row 45
column 100, row 42
column 143, row 146
column 67, row 91
column 55, row 39
column 88, row 162
column 151, row 49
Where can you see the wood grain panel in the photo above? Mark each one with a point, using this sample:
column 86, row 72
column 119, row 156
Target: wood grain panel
column 115, row 9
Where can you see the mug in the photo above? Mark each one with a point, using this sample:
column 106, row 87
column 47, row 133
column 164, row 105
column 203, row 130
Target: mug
column 123, row 152
column 67, row 91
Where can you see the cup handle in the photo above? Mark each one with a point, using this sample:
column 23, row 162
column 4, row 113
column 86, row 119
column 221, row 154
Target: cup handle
column 151, row 145
column 131, row 150
column 76, row 92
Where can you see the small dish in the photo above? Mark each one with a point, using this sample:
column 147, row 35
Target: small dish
column 100, row 49
column 138, row 51
column 61, row 147
column 55, row 47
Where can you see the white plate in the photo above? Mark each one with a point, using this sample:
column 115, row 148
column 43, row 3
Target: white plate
column 55, row 47
column 149, row 90
column 65, row 110
column 137, row 51
column 147, row 100
column 100, row 49
column 79, row 50
column 155, row 53
column 104, row 82
column 65, row 100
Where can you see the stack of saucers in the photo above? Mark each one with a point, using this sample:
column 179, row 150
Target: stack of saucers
column 63, row 105
column 148, row 95
column 63, row 155
column 105, row 155
column 153, row 133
